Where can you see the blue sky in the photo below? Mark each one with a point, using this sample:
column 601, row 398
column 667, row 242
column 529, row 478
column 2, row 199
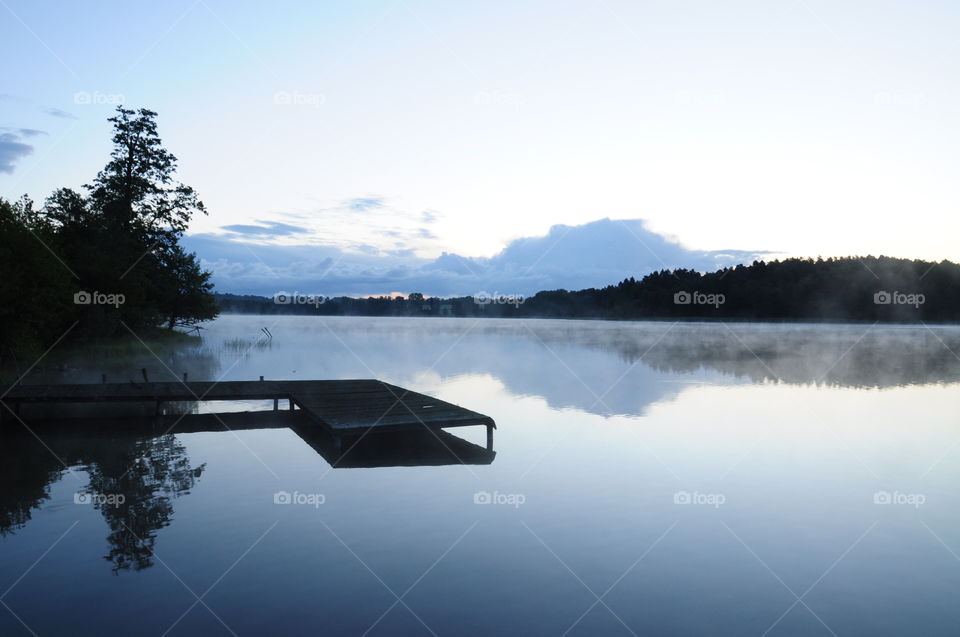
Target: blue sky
column 406, row 129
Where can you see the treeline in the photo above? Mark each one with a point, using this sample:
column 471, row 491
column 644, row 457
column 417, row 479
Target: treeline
column 414, row 304
column 91, row 263
column 836, row 289
column 840, row 289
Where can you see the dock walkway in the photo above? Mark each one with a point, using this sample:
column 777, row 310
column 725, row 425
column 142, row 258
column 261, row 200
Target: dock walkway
column 339, row 406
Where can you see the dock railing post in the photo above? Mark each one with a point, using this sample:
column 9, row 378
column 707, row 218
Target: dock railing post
column 489, row 437
column 291, row 404
column 276, row 404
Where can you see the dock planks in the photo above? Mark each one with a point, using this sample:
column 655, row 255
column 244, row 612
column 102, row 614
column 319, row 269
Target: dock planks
column 339, row 406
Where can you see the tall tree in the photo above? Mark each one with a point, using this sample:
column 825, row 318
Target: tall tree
column 136, row 190
column 138, row 201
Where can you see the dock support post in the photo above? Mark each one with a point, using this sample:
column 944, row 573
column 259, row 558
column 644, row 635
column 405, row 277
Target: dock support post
column 184, row 377
column 291, row 404
column 276, row 404
column 103, row 379
column 157, row 409
column 489, row 437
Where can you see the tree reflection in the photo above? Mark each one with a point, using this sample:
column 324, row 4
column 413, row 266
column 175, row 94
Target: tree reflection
column 148, row 473
column 133, row 482
column 26, row 472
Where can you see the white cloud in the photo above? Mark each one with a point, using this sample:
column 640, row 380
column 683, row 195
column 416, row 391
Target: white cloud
column 591, row 255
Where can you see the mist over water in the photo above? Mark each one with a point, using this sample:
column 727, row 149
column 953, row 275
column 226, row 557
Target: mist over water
column 567, row 363
column 724, row 469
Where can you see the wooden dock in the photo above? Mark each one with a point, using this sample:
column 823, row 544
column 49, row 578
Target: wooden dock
column 414, row 448
column 338, row 406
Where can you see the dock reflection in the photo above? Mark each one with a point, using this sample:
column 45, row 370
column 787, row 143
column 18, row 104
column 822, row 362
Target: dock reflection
column 142, row 466
column 418, row 447
column 394, row 449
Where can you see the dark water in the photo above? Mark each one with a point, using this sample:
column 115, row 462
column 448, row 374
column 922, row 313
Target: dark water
column 649, row 479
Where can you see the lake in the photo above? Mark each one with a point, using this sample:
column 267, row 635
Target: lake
column 649, row 478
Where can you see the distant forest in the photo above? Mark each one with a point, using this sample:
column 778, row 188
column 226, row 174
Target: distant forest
column 836, row 289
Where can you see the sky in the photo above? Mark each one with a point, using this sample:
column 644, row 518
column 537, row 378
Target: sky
column 400, row 130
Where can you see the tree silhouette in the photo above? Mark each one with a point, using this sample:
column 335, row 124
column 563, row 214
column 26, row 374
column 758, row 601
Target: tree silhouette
column 835, row 289
column 136, row 191
column 149, row 473
column 122, row 238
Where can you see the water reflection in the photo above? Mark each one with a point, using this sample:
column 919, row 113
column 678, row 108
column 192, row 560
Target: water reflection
column 137, row 467
column 598, row 367
column 120, row 361
column 148, row 473
column 854, row 355
column 403, row 449
column 26, row 472
column 843, row 356
column 800, row 490
column 133, row 481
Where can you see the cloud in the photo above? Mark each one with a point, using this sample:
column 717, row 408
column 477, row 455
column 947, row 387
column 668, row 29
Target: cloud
column 368, row 225
column 30, row 132
column 23, row 132
column 56, row 112
column 429, row 216
column 362, row 204
column 595, row 254
column 266, row 229
column 12, row 150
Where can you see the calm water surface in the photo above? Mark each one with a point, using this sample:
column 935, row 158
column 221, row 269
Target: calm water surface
column 648, row 479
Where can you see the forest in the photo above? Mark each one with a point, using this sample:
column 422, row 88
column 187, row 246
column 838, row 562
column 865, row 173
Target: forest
column 859, row 289
column 106, row 261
